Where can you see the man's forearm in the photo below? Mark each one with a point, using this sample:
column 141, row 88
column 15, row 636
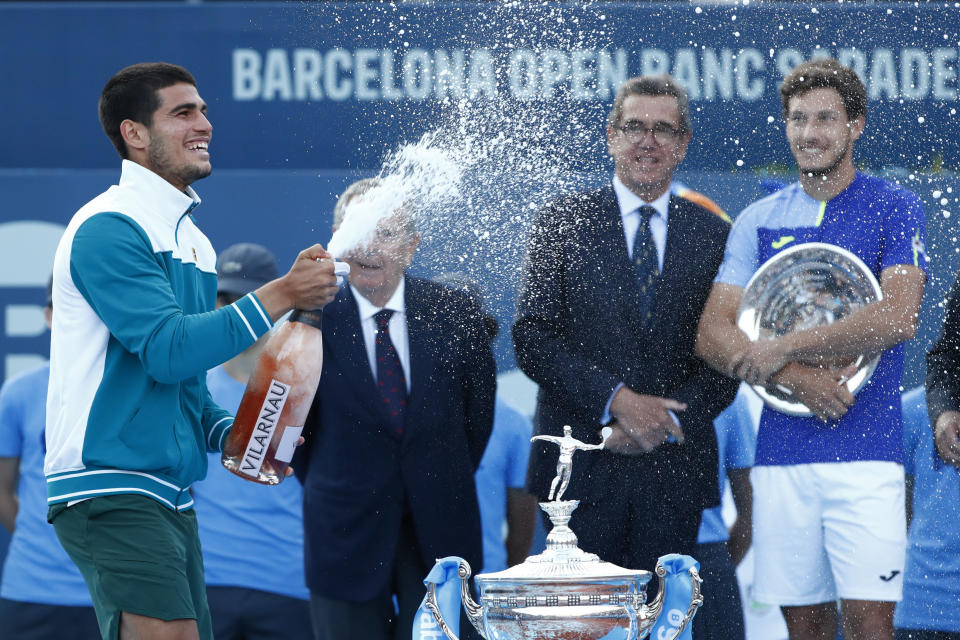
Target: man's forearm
column 706, row 393
column 872, row 329
column 521, row 524
column 8, row 511
column 719, row 343
column 9, row 472
column 544, row 357
column 868, row 330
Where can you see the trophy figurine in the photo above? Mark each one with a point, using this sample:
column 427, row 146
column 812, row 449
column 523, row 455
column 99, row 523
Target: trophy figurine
column 566, row 593
column 568, row 444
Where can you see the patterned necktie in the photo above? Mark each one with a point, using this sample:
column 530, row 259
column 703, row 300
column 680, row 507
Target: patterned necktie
column 645, row 262
column 390, row 380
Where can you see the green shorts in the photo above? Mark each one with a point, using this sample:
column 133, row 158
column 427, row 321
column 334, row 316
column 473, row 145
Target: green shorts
column 136, row 555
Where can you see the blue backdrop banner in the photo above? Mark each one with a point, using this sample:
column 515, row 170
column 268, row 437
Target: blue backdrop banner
column 330, row 85
column 305, row 97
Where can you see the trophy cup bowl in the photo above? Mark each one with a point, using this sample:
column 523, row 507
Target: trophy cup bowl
column 564, row 594
column 806, row 286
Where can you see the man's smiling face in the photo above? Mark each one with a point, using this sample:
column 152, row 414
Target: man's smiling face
column 821, row 136
column 179, row 136
column 647, row 144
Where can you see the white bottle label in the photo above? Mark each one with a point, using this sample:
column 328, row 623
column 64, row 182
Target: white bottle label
column 256, row 451
column 288, row 442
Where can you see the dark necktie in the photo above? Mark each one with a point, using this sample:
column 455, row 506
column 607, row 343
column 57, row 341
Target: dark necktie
column 645, row 262
column 390, row 379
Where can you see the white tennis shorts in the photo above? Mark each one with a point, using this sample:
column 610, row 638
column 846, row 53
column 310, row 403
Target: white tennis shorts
column 828, row 531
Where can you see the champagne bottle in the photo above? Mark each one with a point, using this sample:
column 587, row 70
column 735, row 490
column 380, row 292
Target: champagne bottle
column 276, row 401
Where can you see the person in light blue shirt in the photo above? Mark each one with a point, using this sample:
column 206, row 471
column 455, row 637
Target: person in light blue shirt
column 500, row 482
column 251, row 534
column 42, row 594
column 720, row 550
column 930, row 609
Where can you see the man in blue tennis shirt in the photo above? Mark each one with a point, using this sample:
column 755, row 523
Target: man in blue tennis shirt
column 252, row 535
column 828, row 502
column 931, row 579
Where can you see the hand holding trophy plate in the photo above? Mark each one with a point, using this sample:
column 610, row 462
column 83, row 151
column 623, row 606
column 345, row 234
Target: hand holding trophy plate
column 809, row 285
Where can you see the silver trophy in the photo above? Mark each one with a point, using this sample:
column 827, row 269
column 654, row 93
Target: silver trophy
column 564, row 593
column 808, row 285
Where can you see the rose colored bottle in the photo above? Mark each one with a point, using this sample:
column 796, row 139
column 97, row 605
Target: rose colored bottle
column 276, row 401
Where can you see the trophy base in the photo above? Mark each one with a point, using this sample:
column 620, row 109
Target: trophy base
column 562, row 541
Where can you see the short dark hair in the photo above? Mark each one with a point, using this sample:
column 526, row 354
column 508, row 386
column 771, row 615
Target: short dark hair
column 131, row 94
column 826, row 73
column 664, row 85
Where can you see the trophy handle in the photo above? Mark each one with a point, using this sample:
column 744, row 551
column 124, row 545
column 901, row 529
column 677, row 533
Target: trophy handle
column 652, row 611
column 473, row 610
column 696, row 599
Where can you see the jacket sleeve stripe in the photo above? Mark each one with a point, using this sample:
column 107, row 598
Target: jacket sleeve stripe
column 260, row 310
column 247, row 324
column 223, row 435
column 213, row 430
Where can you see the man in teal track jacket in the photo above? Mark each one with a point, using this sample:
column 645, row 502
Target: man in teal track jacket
column 129, row 417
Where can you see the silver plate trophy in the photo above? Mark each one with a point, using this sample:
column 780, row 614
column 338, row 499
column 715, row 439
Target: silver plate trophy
column 809, row 285
column 564, row 593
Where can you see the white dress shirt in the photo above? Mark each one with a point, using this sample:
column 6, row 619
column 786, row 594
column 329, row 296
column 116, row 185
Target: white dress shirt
column 630, row 204
column 397, row 326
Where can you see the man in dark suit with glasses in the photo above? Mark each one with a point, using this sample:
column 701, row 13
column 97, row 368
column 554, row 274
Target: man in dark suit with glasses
column 607, row 319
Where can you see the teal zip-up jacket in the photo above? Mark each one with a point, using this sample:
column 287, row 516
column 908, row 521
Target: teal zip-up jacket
column 134, row 333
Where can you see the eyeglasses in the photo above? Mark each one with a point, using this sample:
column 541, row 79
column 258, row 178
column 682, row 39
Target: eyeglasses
column 663, row 133
column 821, row 119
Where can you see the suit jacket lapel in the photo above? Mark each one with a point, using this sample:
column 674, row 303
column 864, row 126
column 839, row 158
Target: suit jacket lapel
column 344, row 339
column 341, row 324
column 421, row 350
column 676, row 262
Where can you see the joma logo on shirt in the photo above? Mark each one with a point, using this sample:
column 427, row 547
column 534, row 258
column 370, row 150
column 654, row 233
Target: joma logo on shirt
column 784, row 240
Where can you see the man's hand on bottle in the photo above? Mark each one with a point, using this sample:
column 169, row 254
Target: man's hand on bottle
column 310, row 284
column 289, row 470
column 312, row 281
